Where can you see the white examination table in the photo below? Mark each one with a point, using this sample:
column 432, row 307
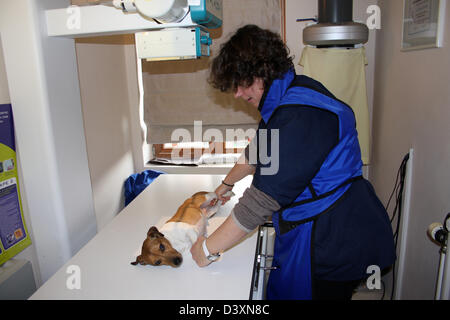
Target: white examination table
column 104, row 263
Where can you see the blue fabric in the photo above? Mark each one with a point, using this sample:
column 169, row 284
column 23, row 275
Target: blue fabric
column 322, row 154
column 307, row 144
column 136, row 183
column 292, row 279
column 342, row 163
column 273, row 96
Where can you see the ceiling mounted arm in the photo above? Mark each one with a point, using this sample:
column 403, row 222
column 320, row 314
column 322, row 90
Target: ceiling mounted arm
column 133, row 16
column 164, row 11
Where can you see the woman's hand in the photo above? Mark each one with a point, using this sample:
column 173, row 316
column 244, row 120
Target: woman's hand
column 225, row 236
column 221, row 190
column 198, row 254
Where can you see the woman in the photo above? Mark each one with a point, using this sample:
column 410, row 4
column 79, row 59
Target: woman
column 330, row 225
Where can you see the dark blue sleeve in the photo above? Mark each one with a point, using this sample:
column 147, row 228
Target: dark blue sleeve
column 306, row 137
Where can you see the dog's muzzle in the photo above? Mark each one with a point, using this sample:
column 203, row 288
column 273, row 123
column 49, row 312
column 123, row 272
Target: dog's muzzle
column 177, row 261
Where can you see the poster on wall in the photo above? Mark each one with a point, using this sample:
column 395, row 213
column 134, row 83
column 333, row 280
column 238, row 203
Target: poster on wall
column 14, row 236
column 423, row 24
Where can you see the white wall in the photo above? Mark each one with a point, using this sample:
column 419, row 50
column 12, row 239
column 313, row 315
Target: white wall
column 412, row 109
column 44, row 92
column 102, row 66
column 107, row 68
column 141, row 150
column 30, row 252
column 4, row 90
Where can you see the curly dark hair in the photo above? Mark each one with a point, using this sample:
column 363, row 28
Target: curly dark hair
column 250, row 53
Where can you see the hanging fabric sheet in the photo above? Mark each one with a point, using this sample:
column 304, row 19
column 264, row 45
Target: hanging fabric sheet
column 342, row 71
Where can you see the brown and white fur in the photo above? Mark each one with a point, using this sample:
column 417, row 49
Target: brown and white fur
column 167, row 245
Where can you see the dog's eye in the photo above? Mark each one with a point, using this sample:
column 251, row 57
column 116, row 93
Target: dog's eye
column 161, row 247
column 158, row 262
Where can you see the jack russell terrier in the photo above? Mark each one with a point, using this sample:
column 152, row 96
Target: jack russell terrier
column 179, row 233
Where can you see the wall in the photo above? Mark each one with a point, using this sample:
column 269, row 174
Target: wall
column 412, row 110
column 30, row 252
column 44, row 92
column 102, row 67
column 44, row 131
column 4, row 90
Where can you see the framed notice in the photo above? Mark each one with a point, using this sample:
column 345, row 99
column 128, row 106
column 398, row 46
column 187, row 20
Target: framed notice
column 13, row 230
column 423, row 24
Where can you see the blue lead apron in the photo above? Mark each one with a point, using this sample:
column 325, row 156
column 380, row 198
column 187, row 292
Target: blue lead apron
column 293, row 254
column 294, row 225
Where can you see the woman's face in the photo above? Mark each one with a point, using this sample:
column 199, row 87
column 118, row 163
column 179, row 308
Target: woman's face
column 251, row 94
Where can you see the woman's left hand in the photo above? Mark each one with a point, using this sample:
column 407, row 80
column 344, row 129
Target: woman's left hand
column 198, row 254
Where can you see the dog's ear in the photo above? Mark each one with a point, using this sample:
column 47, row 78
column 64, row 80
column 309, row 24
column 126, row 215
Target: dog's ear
column 154, row 233
column 139, row 260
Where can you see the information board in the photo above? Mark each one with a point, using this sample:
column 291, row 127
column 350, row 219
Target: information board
column 13, row 231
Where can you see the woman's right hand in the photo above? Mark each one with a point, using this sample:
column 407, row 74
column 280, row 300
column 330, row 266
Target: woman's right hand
column 221, row 190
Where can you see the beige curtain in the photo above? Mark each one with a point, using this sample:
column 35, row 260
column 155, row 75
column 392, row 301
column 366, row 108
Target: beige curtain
column 342, row 71
column 176, row 93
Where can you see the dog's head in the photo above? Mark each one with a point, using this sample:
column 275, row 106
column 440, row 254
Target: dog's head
column 157, row 251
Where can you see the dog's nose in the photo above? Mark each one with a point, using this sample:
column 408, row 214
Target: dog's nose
column 177, row 261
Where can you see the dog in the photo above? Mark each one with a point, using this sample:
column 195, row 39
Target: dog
column 167, row 245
